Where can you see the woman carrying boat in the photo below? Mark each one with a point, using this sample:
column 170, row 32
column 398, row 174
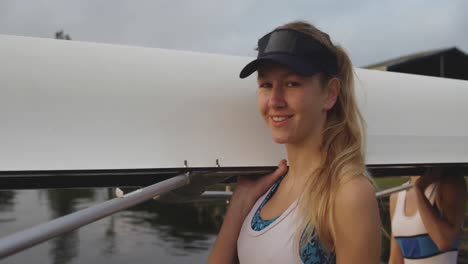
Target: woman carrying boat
column 323, row 208
column 427, row 220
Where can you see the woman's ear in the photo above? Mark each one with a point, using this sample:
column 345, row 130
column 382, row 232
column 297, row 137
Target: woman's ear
column 333, row 90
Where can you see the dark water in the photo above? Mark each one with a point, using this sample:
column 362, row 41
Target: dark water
column 148, row 233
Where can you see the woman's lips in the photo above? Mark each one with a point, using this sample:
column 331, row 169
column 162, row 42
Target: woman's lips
column 280, row 120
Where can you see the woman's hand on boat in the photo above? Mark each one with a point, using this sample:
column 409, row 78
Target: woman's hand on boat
column 249, row 189
column 431, row 175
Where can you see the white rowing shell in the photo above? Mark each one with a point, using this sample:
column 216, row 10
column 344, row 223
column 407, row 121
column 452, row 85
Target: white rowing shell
column 77, row 105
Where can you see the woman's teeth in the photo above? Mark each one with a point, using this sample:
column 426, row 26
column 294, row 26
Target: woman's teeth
column 279, row 119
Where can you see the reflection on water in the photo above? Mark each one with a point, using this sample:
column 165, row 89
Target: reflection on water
column 185, row 227
column 63, row 202
column 6, row 200
column 6, row 204
column 148, row 233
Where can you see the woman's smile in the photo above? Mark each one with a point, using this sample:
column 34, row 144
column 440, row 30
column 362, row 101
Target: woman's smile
column 280, row 120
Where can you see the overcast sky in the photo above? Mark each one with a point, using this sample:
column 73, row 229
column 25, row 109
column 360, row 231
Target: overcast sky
column 371, row 30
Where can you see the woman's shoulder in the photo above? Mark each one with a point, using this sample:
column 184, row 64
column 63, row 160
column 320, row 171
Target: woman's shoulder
column 355, row 200
column 356, row 190
column 452, row 185
column 393, row 199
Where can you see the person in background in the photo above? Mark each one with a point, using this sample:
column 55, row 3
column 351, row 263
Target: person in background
column 427, row 219
column 323, row 208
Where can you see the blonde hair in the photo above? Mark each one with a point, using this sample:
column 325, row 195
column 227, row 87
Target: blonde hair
column 342, row 148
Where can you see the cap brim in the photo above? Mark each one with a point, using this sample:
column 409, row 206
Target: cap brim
column 295, row 64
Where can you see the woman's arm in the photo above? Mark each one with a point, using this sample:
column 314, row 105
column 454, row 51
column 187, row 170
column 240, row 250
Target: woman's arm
column 451, row 195
column 246, row 193
column 396, row 257
column 357, row 223
column 225, row 247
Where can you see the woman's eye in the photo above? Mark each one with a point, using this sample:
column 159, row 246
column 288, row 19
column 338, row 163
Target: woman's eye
column 264, row 85
column 293, row 84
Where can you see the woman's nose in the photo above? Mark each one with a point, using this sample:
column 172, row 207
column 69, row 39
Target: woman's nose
column 277, row 97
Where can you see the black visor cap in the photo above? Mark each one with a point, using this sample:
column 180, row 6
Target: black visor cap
column 295, row 50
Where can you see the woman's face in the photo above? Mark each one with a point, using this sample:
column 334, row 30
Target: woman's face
column 293, row 106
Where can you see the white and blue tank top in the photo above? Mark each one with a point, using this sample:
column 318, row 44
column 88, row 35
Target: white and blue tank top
column 413, row 239
column 272, row 240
